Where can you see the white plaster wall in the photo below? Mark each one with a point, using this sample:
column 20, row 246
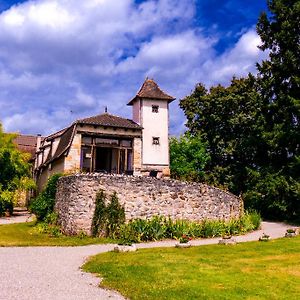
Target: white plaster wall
column 155, row 125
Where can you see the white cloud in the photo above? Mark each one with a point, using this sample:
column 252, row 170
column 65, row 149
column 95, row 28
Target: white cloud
column 58, row 56
column 237, row 61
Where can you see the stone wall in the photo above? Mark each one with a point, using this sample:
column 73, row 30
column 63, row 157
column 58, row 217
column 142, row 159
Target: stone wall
column 142, row 197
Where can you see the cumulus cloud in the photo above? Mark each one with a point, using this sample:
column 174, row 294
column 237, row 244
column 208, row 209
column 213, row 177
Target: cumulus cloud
column 66, row 59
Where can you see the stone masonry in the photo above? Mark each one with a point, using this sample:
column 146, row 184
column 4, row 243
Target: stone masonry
column 142, row 197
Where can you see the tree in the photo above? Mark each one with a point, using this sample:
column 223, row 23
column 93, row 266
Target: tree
column 252, row 127
column 228, row 119
column 14, row 169
column 279, row 81
column 188, row 158
column 13, row 163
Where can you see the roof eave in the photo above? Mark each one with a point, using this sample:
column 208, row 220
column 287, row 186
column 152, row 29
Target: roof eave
column 138, row 127
column 130, row 103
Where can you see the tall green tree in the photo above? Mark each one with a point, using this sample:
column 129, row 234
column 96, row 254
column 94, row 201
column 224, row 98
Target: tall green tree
column 279, row 79
column 252, row 126
column 229, row 121
column 279, row 82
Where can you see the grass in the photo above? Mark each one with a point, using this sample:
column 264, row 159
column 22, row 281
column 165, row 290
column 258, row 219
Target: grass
column 26, row 234
column 252, row 270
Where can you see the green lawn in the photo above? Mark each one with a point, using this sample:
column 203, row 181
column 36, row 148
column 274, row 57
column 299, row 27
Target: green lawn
column 256, row 270
column 26, row 234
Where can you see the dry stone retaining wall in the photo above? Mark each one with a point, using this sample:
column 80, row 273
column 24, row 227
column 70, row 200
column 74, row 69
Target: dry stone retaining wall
column 142, row 197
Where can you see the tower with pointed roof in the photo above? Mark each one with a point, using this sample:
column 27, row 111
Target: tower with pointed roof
column 150, row 108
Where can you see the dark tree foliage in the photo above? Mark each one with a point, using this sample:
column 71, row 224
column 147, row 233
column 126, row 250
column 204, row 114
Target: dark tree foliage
column 279, row 82
column 229, row 120
column 252, row 126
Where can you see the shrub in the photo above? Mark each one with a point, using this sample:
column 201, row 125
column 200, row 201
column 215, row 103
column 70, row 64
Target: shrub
column 6, row 202
column 127, row 235
column 50, row 229
column 255, row 219
column 99, row 219
column 49, row 225
column 43, row 204
column 107, row 219
column 115, row 215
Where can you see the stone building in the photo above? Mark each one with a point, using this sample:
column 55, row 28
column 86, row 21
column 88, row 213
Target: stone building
column 110, row 144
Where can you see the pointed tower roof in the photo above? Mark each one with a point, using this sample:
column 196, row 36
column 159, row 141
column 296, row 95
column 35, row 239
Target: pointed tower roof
column 151, row 90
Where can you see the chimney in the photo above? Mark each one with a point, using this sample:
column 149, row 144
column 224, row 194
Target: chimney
column 38, row 141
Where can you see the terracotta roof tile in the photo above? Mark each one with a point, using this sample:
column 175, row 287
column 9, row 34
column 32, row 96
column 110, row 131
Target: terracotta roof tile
column 110, row 121
column 151, row 90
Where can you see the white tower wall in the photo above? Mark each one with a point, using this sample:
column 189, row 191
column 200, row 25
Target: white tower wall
column 155, row 126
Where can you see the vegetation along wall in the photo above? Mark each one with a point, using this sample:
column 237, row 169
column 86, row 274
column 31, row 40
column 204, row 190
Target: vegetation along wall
column 142, row 197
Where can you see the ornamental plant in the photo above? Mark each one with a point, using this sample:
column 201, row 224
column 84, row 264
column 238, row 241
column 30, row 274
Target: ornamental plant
column 184, row 239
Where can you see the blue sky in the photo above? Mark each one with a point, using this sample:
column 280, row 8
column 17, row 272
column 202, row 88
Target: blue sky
column 61, row 60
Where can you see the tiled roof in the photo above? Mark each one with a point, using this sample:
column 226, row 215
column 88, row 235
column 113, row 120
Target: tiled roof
column 66, row 135
column 151, row 90
column 109, row 121
column 26, row 143
column 56, row 134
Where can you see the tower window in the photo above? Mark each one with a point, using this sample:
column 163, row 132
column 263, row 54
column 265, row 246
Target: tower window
column 155, row 140
column 155, row 108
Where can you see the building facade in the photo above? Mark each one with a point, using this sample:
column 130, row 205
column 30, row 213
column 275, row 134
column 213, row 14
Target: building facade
column 111, row 144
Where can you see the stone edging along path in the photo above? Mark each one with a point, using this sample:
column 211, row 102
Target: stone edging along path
column 54, row 272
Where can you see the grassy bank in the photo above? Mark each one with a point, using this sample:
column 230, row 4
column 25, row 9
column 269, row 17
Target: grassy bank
column 253, row 270
column 27, row 234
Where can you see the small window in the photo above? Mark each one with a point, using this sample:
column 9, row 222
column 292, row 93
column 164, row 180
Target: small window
column 155, row 140
column 155, row 108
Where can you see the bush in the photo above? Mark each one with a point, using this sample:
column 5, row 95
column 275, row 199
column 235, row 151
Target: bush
column 6, row 202
column 49, row 225
column 115, row 215
column 43, row 204
column 255, row 219
column 107, row 220
column 99, row 219
column 127, row 236
column 51, row 230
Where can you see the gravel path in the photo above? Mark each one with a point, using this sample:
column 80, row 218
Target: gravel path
column 20, row 215
column 54, row 272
